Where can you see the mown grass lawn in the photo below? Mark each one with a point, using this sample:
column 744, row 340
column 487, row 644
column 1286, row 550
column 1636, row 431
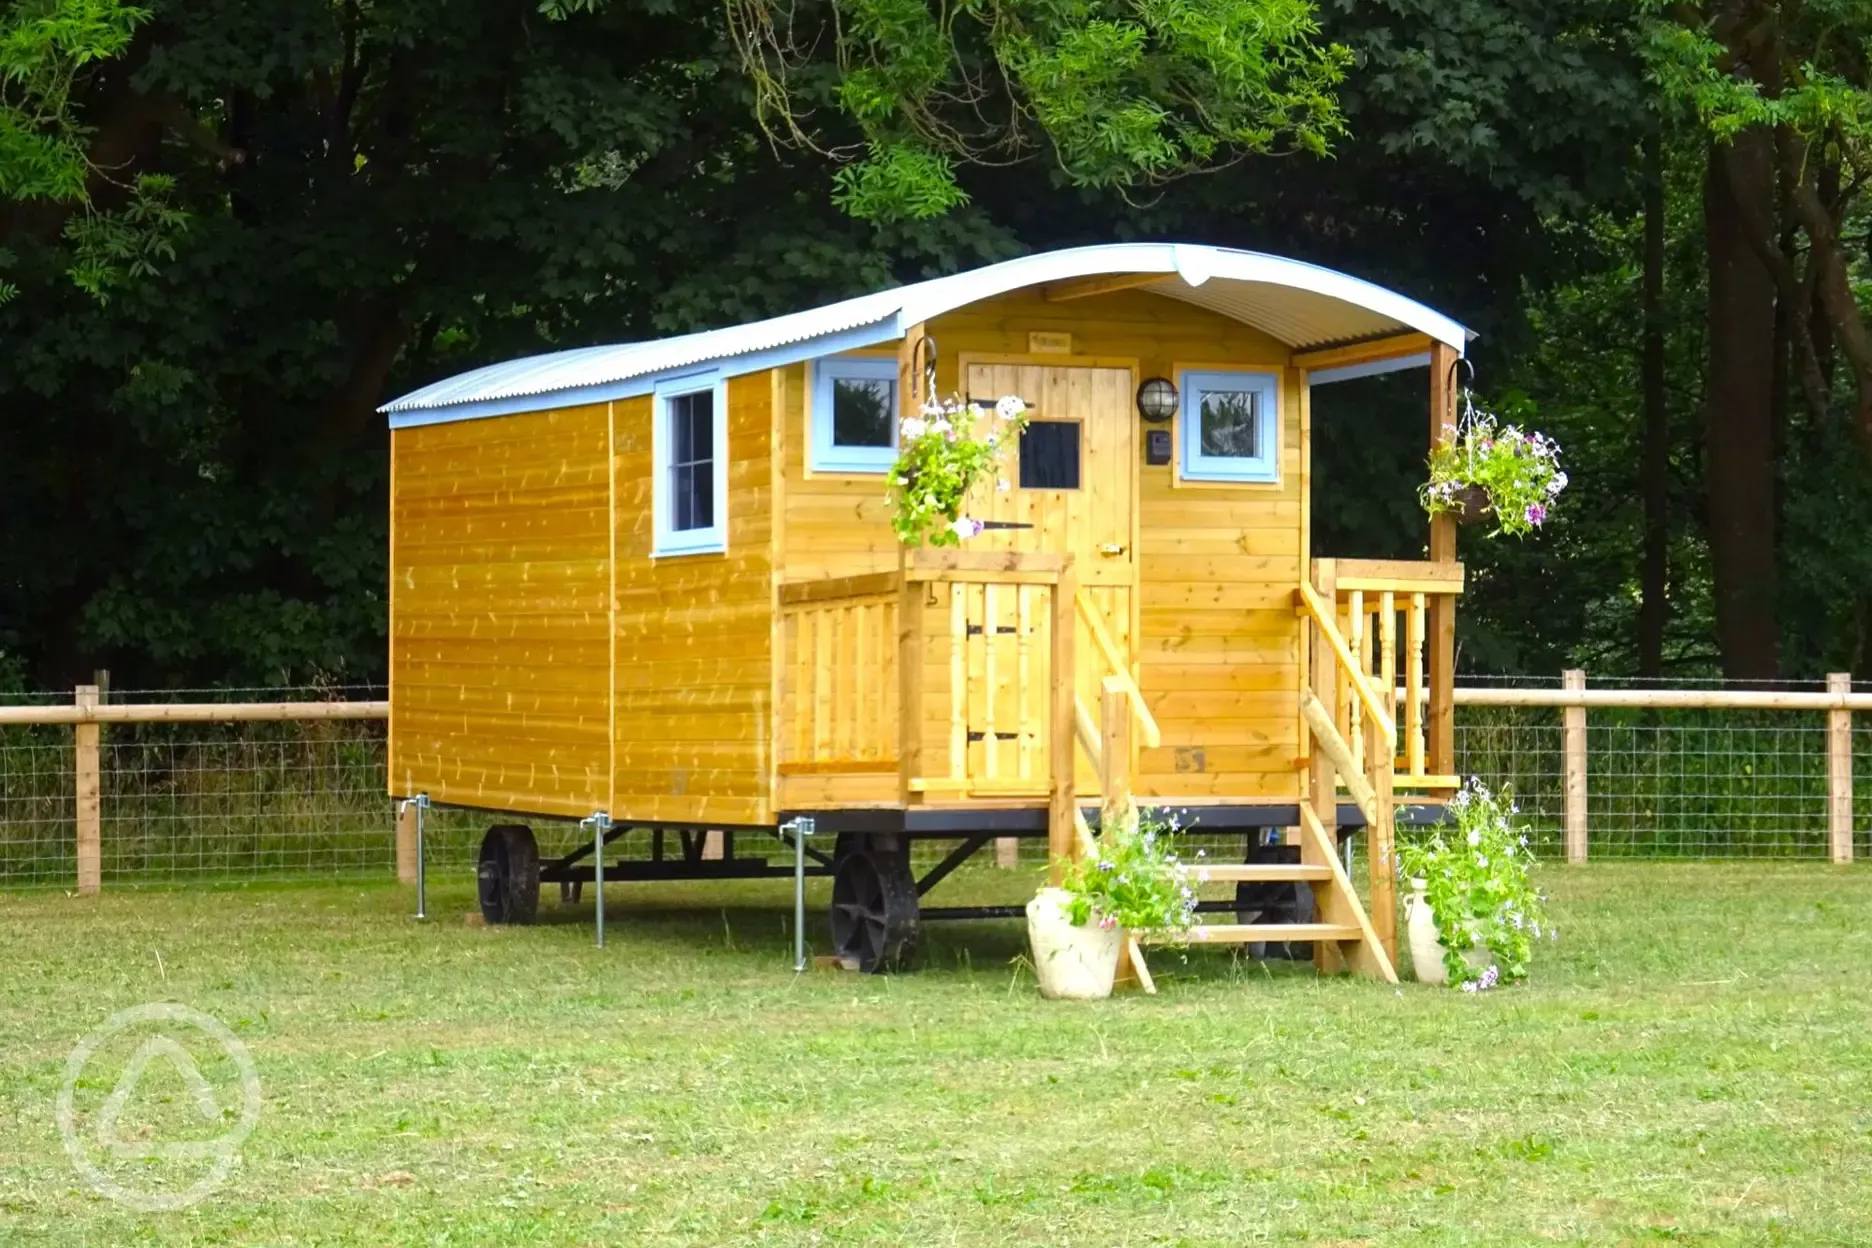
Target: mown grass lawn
column 1693, row 1063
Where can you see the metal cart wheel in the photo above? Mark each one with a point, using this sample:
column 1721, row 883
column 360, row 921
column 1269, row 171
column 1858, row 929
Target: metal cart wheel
column 508, row 877
column 874, row 905
column 1273, row 901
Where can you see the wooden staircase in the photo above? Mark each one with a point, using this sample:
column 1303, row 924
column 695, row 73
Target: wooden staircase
column 1345, row 936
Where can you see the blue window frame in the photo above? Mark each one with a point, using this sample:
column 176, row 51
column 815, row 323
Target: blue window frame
column 689, row 457
column 1228, row 427
column 854, row 414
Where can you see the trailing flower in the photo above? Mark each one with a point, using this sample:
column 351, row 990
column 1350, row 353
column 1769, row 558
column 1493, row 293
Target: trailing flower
column 1478, row 887
column 941, row 455
column 1518, row 472
column 1136, row 881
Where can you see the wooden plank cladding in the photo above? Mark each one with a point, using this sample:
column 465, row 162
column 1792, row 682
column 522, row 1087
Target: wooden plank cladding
column 838, row 704
column 694, row 683
column 499, row 596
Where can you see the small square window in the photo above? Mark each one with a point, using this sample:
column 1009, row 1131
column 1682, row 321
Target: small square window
column 854, row 415
column 1227, row 427
column 1049, row 455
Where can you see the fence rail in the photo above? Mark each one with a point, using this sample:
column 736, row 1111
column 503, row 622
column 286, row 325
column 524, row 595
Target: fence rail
column 145, row 790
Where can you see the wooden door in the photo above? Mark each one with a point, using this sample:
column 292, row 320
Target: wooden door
column 1071, row 488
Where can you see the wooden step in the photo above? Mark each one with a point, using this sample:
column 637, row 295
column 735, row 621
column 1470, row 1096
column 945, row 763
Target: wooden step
column 1259, row 872
column 1242, row 933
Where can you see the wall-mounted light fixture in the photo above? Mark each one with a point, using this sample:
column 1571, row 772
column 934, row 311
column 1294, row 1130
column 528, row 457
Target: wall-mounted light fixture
column 1157, row 400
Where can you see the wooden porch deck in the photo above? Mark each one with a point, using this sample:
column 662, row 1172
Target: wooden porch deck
column 915, row 712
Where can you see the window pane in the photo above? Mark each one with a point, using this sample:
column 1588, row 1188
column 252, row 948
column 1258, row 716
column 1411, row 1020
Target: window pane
column 682, row 497
column 863, row 411
column 1049, row 455
column 681, row 446
column 1228, row 424
column 703, row 494
column 691, row 461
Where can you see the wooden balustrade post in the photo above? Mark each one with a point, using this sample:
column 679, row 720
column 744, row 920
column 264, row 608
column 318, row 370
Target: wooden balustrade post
column 909, row 680
column 1573, row 743
column 1356, row 640
column 1380, row 839
column 1115, row 752
column 1840, row 773
column 90, row 795
column 1441, row 720
column 1062, row 669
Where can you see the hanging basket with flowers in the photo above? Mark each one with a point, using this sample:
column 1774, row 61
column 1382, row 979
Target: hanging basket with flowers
column 942, row 454
column 1493, row 471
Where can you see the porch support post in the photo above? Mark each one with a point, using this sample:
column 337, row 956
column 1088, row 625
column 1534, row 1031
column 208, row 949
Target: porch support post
column 1440, row 639
column 1062, row 676
column 1322, row 779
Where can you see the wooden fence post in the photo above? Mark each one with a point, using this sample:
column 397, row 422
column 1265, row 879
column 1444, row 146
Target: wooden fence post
column 1573, row 719
column 1840, row 773
column 89, row 796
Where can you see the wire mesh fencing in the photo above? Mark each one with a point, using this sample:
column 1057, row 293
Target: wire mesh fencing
column 1670, row 782
column 286, row 799
column 183, row 801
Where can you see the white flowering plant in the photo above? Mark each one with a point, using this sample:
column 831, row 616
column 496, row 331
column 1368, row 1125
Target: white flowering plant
column 1135, row 880
column 942, row 454
column 1517, row 472
column 1476, row 867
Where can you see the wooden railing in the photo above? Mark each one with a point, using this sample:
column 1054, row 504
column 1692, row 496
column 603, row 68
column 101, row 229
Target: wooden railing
column 1383, row 608
column 986, row 703
column 1350, row 706
column 839, row 650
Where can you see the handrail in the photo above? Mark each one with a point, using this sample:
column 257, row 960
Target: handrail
column 1398, row 576
column 1086, row 729
column 1011, row 567
column 839, row 588
column 1326, row 736
column 1329, row 629
column 1102, row 637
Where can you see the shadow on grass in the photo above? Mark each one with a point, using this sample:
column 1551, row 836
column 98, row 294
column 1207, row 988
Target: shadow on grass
column 944, row 947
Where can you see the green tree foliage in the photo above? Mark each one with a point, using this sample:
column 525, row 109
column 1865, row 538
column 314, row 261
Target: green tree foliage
column 376, row 195
column 1122, row 93
column 48, row 51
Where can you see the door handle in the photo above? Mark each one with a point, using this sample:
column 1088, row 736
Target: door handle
column 1111, row 550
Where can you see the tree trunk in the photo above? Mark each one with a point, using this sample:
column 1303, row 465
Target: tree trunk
column 1739, row 469
column 1655, row 462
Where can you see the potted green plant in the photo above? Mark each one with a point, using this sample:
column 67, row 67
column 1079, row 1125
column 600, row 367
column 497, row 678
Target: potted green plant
column 1473, row 913
column 942, row 454
column 1493, row 471
column 1133, row 881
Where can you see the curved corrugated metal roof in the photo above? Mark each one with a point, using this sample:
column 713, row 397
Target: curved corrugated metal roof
column 1302, row 305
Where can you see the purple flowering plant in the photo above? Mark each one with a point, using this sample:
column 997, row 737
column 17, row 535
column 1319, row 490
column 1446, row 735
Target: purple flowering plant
column 1519, row 472
column 1477, row 868
column 942, row 453
column 1134, row 879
